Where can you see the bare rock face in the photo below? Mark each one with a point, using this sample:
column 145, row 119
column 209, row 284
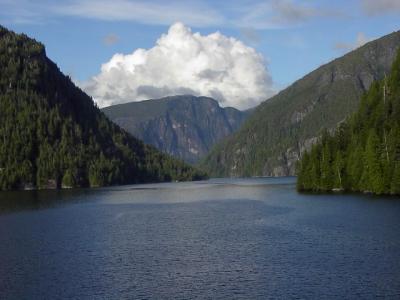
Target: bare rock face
column 183, row 126
column 280, row 129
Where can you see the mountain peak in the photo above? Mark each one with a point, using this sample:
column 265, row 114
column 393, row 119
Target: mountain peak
column 184, row 126
column 271, row 141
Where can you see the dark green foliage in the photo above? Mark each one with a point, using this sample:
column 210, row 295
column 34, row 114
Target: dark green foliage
column 395, row 184
column 270, row 141
column 364, row 152
column 52, row 135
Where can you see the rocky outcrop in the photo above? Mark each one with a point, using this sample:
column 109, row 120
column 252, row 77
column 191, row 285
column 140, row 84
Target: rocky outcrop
column 183, row 126
column 273, row 138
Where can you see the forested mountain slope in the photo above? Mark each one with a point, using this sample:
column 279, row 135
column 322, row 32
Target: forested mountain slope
column 272, row 139
column 364, row 152
column 52, row 135
column 184, row 126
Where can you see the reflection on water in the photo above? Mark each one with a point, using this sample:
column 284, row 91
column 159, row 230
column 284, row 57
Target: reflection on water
column 218, row 239
column 31, row 200
column 159, row 192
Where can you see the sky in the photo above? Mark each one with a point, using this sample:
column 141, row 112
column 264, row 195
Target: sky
column 238, row 52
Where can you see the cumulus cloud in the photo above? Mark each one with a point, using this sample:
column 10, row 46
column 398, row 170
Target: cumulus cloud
column 183, row 62
column 361, row 39
column 377, row 7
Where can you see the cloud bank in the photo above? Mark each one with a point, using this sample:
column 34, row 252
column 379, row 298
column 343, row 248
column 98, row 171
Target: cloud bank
column 183, row 62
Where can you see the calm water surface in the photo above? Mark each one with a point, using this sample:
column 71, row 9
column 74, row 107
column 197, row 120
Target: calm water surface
column 218, row 239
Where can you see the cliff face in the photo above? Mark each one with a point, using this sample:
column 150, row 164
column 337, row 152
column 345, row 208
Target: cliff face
column 183, row 126
column 273, row 138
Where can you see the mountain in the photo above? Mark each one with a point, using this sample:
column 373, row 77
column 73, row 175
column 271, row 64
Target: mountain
column 183, row 126
column 364, row 152
column 52, row 135
column 272, row 139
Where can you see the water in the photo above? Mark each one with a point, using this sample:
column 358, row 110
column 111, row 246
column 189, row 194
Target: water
column 219, row 239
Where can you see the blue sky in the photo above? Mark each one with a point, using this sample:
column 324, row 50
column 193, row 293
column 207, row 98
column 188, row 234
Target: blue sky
column 294, row 37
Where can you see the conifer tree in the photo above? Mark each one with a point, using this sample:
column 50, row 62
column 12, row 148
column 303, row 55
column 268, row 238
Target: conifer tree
column 364, row 152
column 52, row 134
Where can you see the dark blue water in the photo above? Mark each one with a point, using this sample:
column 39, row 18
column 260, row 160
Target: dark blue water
column 220, row 239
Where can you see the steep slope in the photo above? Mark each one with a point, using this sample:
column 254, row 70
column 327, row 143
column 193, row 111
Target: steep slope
column 364, row 152
column 273, row 137
column 52, row 135
column 183, row 126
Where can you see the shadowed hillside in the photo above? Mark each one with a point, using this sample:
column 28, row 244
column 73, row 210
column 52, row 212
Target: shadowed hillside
column 52, row 135
column 272, row 139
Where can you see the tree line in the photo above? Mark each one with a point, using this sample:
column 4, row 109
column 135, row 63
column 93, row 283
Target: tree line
column 53, row 135
column 363, row 154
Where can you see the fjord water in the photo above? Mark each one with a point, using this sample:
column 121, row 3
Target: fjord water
column 217, row 239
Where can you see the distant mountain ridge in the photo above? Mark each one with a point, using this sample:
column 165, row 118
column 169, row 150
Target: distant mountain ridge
column 272, row 139
column 184, row 126
column 52, row 135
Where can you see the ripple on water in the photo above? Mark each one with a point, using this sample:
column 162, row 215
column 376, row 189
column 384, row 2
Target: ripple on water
column 219, row 239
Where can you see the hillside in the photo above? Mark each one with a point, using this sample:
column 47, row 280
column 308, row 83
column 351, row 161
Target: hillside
column 183, row 126
column 364, row 152
column 52, row 135
column 272, row 139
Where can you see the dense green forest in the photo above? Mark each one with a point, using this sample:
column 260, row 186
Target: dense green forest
column 52, row 134
column 364, row 152
column 272, row 139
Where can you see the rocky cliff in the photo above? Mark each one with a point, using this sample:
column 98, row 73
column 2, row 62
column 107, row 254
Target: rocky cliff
column 279, row 130
column 183, row 126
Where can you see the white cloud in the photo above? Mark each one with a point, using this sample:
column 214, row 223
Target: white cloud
column 146, row 12
column 256, row 14
column 377, row 7
column 361, row 39
column 155, row 12
column 183, row 62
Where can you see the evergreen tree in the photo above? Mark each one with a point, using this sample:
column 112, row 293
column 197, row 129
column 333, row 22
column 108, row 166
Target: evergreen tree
column 374, row 170
column 364, row 152
column 52, row 134
column 395, row 184
column 338, row 171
